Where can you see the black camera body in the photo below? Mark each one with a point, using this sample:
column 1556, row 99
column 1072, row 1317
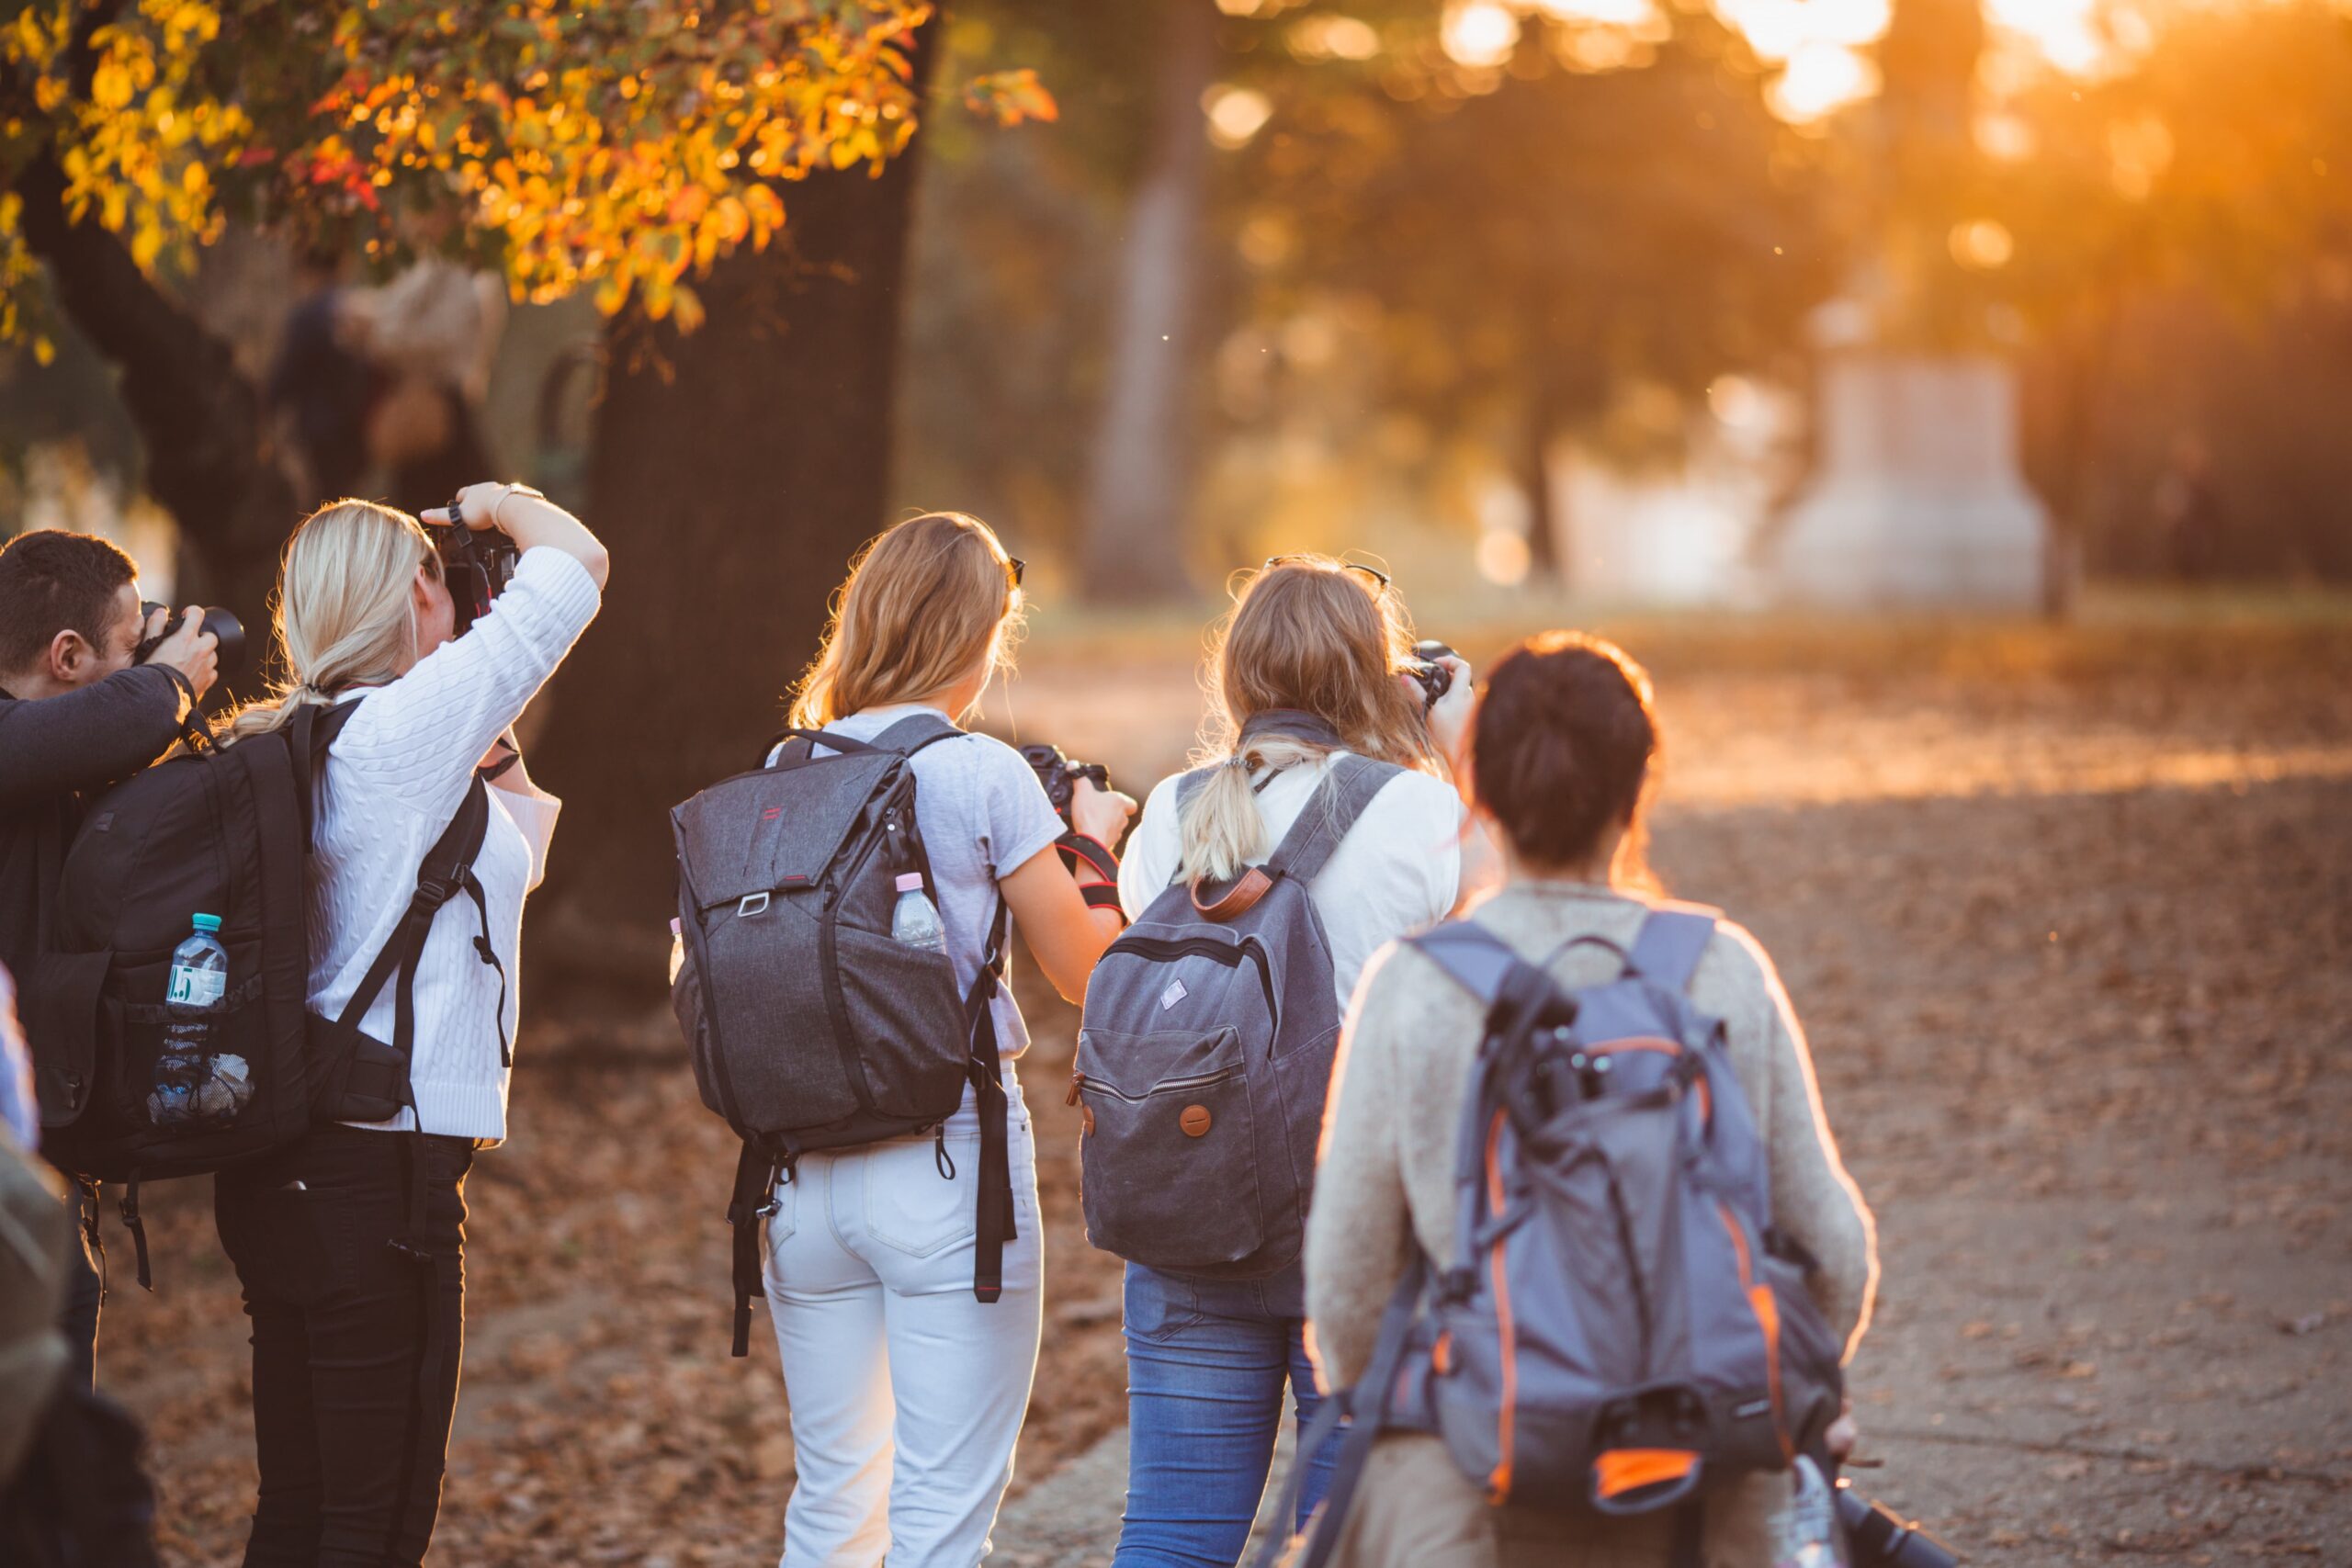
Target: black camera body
column 1877, row 1538
column 227, row 634
column 1436, row 679
column 476, row 564
column 1060, row 775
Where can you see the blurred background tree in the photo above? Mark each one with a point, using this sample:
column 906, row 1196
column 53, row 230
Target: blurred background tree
column 1285, row 273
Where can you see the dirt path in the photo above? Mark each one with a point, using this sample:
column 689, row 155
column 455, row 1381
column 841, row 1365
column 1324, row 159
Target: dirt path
column 2075, row 954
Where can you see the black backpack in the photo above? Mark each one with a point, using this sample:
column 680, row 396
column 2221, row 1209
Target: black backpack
column 223, row 830
column 810, row 1026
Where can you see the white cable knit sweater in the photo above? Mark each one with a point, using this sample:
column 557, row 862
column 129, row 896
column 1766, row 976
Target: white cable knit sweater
column 392, row 780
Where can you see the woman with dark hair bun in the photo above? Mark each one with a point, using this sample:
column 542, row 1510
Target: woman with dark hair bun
column 1563, row 747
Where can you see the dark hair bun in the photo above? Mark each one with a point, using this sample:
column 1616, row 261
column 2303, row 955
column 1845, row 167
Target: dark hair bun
column 1563, row 746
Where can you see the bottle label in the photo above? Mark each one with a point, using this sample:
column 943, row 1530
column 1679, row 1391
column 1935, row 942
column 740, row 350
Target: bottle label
column 197, row 988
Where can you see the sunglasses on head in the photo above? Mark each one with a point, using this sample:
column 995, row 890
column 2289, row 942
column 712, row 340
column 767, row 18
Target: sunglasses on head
column 1014, row 568
column 1375, row 580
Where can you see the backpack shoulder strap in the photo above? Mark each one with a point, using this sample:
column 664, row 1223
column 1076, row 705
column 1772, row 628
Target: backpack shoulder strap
column 914, row 732
column 447, row 869
column 1475, row 958
column 308, row 735
column 1345, row 791
column 1672, row 939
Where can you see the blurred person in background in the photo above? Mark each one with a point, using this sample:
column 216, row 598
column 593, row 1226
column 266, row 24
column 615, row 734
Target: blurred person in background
column 432, row 334
column 321, row 389
column 1311, row 663
column 1564, row 737
column 76, row 715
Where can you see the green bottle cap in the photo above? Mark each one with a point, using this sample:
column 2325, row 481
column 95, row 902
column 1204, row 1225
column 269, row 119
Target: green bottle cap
column 207, row 922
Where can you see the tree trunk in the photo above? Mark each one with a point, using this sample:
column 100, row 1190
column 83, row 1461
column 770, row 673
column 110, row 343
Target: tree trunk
column 733, row 471
column 1140, row 486
column 207, row 456
column 1546, row 561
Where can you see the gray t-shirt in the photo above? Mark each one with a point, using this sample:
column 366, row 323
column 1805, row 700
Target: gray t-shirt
column 983, row 814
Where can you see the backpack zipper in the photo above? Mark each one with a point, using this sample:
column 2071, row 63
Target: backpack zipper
column 1080, row 1083
column 1228, row 955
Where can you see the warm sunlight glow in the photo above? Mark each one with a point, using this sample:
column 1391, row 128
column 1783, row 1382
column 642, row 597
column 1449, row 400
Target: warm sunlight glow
column 1821, row 79
column 1777, row 30
column 1480, row 33
column 1236, row 114
column 2064, row 31
column 1984, row 245
column 1333, row 38
column 1607, row 13
column 1503, row 557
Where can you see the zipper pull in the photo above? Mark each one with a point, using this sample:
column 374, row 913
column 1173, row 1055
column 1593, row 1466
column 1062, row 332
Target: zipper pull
column 1077, row 1082
column 940, row 1160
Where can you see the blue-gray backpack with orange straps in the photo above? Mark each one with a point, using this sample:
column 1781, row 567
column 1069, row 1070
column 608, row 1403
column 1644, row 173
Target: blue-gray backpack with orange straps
column 1620, row 1326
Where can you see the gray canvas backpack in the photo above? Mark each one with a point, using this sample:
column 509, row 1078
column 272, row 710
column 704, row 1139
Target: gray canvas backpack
column 810, row 1025
column 1621, row 1326
column 1205, row 1055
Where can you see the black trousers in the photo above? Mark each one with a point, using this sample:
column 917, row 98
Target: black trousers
column 358, row 1324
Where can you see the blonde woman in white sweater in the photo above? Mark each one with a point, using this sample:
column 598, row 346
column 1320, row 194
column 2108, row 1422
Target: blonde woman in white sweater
column 349, row 1242
column 1561, row 748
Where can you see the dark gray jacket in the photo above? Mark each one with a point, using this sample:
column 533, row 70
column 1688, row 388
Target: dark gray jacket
column 52, row 753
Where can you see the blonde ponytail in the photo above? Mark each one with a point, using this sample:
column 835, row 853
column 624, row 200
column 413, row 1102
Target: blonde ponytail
column 1219, row 827
column 1307, row 635
column 342, row 615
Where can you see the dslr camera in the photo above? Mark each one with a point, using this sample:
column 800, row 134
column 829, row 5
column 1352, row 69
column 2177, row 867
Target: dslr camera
column 227, row 634
column 1436, row 679
column 1877, row 1537
column 1060, row 775
column 477, row 564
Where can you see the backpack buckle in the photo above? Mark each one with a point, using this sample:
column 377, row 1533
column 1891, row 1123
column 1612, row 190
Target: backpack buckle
column 751, row 904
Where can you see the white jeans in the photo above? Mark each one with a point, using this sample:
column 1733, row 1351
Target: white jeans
column 907, row 1394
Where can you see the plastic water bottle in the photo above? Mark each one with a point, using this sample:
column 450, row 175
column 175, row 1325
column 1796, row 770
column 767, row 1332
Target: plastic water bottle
column 1805, row 1528
column 193, row 1083
column 914, row 921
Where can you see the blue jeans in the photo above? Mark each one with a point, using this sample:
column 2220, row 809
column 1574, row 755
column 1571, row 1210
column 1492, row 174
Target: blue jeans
column 1206, row 1361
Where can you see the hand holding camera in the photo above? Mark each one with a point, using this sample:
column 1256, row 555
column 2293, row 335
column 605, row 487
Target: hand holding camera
column 1442, row 679
column 203, row 642
column 478, row 557
column 1082, row 793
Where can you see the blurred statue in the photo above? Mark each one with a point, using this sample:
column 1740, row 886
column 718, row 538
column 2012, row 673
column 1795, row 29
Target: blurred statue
column 1917, row 498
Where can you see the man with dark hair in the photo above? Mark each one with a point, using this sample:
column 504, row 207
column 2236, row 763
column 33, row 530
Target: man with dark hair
column 76, row 716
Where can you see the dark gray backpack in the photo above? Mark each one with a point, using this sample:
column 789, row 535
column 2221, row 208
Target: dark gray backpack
column 1621, row 1326
column 1205, row 1057
column 810, row 1026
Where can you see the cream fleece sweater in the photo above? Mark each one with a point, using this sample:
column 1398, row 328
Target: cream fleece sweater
column 1385, row 1182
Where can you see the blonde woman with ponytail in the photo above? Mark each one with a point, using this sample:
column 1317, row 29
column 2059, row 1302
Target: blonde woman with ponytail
column 907, row 1392
column 1311, row 662
column 348, row 1241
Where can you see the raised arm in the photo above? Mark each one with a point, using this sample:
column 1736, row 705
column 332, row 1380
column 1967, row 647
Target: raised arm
column 420, row 736
column 92, row 736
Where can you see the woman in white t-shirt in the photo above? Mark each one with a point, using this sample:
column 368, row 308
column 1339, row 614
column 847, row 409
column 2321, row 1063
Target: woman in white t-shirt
column 1312, row 647
column 907, row 1391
